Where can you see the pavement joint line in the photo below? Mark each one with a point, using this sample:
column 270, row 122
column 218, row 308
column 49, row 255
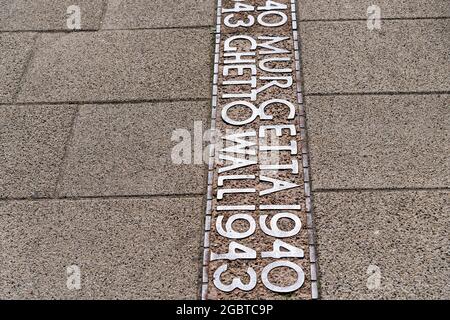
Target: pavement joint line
column 64, row 161
column 387, row 93
column 365, row 19
column 199, row 26
column 393, row 189
column 26, row 67
column 105, row 197
column 104, row 102
column 107, row 30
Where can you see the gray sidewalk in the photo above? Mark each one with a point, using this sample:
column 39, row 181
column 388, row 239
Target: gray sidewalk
column 86, row 120
column 378, row 118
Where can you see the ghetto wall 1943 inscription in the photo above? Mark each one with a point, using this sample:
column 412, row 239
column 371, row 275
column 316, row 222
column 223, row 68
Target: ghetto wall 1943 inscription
column 258, row 240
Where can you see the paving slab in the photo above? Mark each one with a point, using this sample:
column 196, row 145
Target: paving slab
column 405, row 56
column 383, row 141
column 126, row 150
column 357, row 9
column 19, row 15
column 124, row 249
column 32, row 140
column 120, row 65
column 131, row 14
column 15, row 50
column 383, row 245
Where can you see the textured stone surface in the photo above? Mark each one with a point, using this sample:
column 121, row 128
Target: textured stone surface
column 14, row 53
column 404, row 234
column 121, row 14
column 32, row 140
column 405, row 56
column 125, row 249
column 48, row 14
column 126, row 150
column 357, row 9
column 120, row 65
column 386, row 141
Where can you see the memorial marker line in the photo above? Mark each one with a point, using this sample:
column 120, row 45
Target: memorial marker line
column 260, row 285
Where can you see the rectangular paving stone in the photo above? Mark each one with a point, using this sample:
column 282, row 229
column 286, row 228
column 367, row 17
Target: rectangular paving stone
column 15, row 50
column 127, row 150
column 120, row 65
column 385, row 141
column 131, row 14
column 383, row 245
column 124, row 249
column 405, row 56
column 357, row 9
column 48, row 14
column 32, row 140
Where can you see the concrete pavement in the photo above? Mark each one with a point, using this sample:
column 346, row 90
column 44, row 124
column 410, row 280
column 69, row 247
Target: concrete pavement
column 125, row 248
column 378, row 116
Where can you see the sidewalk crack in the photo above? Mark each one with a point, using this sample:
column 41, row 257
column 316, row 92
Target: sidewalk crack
column 64, row 160
column 26, row 67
